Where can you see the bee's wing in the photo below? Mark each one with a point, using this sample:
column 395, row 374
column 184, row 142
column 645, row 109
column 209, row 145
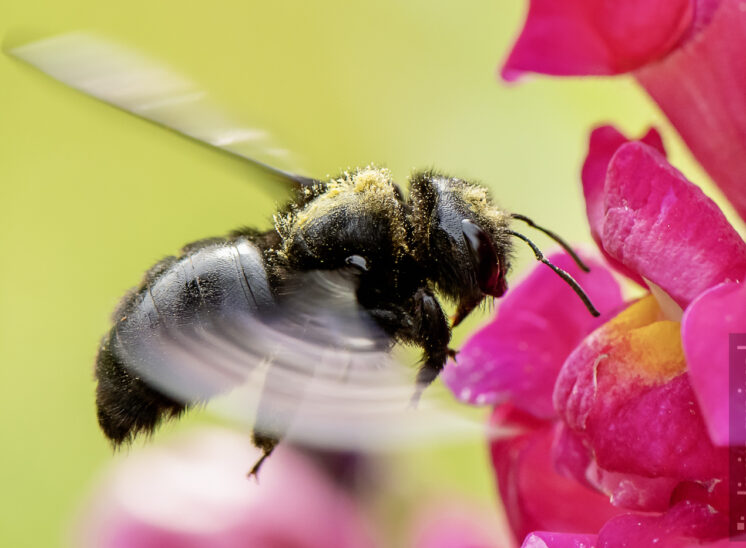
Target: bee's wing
column 148, row 89
column 316, row 370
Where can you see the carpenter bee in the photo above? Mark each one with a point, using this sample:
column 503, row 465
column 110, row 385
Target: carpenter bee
column 308, row 311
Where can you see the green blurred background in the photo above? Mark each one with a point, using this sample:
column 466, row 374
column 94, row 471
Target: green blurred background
column 91, row 197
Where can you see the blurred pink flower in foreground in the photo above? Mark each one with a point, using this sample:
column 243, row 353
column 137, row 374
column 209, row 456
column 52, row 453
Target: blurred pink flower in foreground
column 194, row 493
column 454, row 524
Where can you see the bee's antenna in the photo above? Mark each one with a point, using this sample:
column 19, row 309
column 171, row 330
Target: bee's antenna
column 554, row 236
column 561, row 273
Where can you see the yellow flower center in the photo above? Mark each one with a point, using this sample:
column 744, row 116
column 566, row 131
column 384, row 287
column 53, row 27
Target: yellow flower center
column 647, row 345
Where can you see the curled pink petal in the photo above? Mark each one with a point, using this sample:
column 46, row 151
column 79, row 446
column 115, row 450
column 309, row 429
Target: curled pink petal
column 684, row 525
column 517, row 356
column 545, row 539
column 604, row 142
column 705, row 329
column 526, row 476
column 713, row 493
column 574, row 459
column 656, row 432
column 701, row 87
column 625, row 390
column 631, row 491
column 592, row 37
column 663, row 227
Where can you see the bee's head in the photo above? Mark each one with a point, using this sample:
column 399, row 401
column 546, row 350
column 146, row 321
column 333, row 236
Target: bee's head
column 461, row 237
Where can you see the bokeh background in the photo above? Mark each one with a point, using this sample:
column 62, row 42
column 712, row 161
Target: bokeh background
column 90, row 197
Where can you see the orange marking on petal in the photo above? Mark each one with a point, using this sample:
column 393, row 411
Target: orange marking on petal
column 655, row 351
column 640, row 313
column 643, row 344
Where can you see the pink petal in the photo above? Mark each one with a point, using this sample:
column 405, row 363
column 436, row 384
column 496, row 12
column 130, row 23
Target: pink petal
column 663, row 227
column 631, row 491
column 604, row 142
column 714, row 493
column 545, row 539
column 683, row 525
column 592, row 37
column 701, row 87
column 722, row 543
column 517, row 356
column 534, row 495
column 706, row 327
column 624, row 389
column 572, row 458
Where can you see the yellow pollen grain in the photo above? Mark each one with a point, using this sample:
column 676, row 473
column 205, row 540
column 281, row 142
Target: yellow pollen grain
column 478, row 198
column 369, row 189
column 371, row 178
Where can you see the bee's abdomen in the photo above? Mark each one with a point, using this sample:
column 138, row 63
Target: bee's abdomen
column 209, row 279
column 125, row 404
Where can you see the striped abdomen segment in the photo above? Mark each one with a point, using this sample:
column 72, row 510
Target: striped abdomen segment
column 212, row 278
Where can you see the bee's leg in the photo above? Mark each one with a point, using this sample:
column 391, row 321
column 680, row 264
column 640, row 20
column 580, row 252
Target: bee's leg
column 278, row 403
column 267, row 444
column 429, row 371
column 433, row 334
column 269, row 429
column 420, row 321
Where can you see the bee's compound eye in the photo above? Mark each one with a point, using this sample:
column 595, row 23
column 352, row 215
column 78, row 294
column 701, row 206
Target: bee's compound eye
column 358, row 261
column 486, row 263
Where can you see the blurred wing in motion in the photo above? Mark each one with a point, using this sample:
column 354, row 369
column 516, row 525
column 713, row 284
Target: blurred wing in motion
column 316, row 369
column 311, row 366
column 148, row 89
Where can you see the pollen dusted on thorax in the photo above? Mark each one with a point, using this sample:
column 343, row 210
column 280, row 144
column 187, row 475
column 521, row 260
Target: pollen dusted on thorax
column 367, row 189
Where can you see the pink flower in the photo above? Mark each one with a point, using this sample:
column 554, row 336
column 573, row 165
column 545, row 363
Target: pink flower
column 641, row 401
column 688, row 55
column 536, row 494
column 195, row 493
column 517, row 357
column 513, row 363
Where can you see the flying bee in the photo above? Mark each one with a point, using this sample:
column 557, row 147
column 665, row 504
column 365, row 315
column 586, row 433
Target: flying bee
column 302, row 317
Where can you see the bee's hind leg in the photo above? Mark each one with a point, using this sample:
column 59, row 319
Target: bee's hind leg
column 428, row 372
column 267, row 444
column 278, row 404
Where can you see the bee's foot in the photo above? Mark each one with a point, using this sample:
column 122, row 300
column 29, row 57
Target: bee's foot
column 254, row 473
column 415, row 399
